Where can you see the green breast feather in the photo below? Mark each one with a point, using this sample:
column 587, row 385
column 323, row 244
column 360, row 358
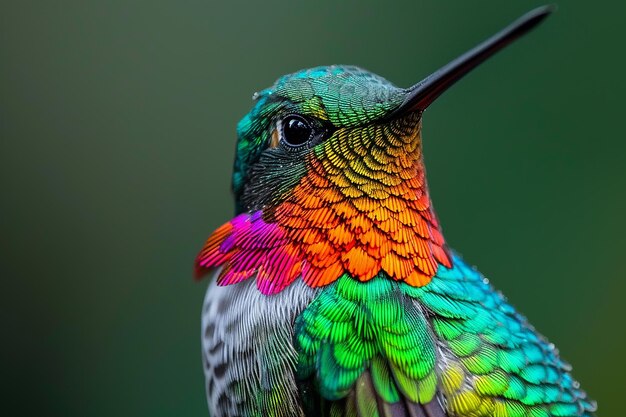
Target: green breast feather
column 454, row 345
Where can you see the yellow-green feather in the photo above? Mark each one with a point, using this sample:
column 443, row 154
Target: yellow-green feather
column 455, row 337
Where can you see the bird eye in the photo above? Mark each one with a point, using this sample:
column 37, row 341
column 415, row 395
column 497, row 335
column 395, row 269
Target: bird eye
column 296, row 130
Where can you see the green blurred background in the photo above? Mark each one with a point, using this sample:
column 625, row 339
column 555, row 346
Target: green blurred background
column 117, row 128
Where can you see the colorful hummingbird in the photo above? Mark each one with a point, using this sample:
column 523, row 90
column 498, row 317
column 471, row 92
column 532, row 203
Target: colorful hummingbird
column 333, row 290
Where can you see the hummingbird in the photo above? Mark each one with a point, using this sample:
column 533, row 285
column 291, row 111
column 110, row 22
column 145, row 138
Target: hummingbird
column 333, row 291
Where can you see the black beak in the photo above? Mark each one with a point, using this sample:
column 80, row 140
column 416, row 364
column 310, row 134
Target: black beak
column 422, row 94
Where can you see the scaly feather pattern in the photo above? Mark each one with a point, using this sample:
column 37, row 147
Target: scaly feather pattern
column 454, row 344
column 368, row 342
column 493, row 362
column 362, row 208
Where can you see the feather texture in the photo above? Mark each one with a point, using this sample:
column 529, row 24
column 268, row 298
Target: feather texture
column 343, row 216
column 335, row 293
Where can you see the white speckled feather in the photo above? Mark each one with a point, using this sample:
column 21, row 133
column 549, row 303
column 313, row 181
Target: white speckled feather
column 247, row 349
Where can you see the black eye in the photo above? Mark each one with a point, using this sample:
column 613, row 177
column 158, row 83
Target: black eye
column 296, row 130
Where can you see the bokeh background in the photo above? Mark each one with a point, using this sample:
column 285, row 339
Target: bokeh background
column 117, row 130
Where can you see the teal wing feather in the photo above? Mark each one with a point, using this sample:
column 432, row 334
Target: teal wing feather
column 454, row 347
column 492, row 361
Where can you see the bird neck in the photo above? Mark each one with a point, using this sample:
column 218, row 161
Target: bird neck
column 364, row 206
column 362, row 210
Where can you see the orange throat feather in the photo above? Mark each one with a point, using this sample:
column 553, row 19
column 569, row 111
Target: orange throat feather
column 362, row 209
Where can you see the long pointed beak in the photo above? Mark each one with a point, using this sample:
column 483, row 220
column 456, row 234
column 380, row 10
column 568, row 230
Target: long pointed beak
column 422, row 94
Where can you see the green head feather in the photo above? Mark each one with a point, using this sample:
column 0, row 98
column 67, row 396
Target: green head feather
column 336, row 96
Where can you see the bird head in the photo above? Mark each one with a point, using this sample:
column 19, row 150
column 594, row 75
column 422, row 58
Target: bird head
column 329, row 178
column 303, row 113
